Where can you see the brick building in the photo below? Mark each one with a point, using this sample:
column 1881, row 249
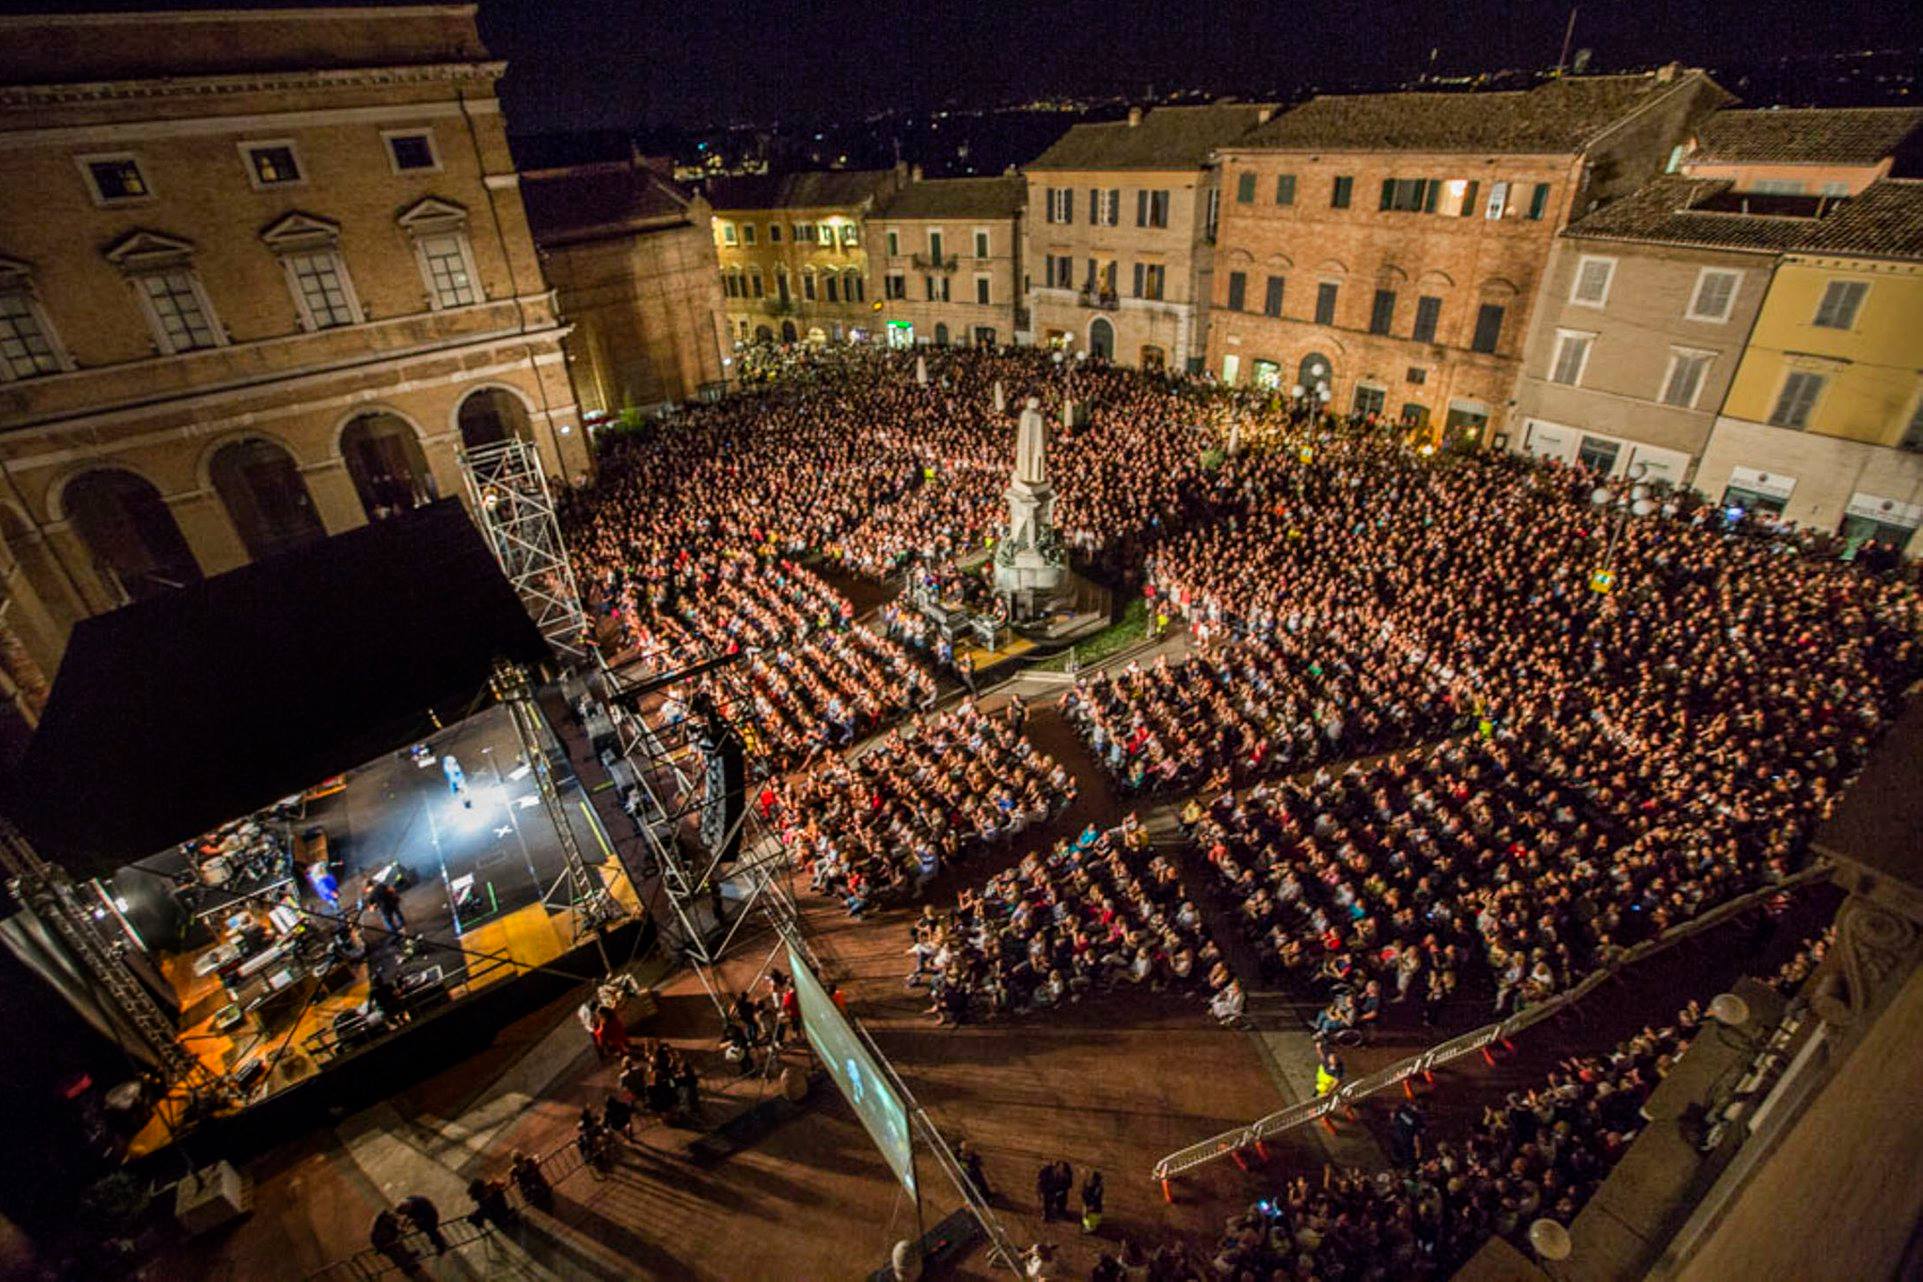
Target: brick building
column 1120, row 228
column 1388, row 247
column 792, row 261
column 273, row 272
column 946, row 258
column 632, row 259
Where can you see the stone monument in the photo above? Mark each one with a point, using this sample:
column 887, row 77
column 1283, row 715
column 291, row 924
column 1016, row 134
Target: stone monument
column 1031, row 568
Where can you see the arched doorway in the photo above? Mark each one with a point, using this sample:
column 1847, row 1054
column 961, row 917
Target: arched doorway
column 491, row 415
column 1154, row 358
column 265, row 496
column 788, row 332
column 384, row 458
column 1314, row 371
column 763, row 334
column 1101, row 338
column 941, row 334
column 137, row 547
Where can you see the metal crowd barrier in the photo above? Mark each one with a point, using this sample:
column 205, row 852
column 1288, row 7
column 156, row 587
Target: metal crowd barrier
column 1233, row 1143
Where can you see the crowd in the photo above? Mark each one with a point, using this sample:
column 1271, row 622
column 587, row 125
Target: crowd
column 870, row 829
column 1087, row 915
column 1623, row 760
column 1541, row 1153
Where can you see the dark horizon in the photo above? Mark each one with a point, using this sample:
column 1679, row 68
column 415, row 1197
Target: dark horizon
column 706, row 65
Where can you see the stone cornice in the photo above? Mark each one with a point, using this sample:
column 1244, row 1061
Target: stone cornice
column 225, row 86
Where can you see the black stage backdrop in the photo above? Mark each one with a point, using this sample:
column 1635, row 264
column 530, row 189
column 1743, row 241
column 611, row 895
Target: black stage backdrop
column 174, row 714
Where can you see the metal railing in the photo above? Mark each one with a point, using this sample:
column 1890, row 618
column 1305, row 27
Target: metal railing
column 1345, row 1096
column 931, row 263
column 1098, row 298
column 458, row 1231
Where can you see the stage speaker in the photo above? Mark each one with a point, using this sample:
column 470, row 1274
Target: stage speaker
column 726, row 795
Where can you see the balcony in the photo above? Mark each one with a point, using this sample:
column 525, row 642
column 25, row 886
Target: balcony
column 929, row 263
column 1100, row 299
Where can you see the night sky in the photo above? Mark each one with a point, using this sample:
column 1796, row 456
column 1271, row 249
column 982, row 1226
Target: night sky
column 699, row 63
column 709, row 63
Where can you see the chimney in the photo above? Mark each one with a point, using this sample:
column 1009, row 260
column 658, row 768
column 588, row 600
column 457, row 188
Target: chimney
column 914, row 173
column 1668, row 72
column 1262, row 116
column 1134, row 117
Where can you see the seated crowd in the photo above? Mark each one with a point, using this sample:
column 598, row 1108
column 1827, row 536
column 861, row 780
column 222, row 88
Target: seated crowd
column 869, row 829
column 1086, row 915
column 1640, row 756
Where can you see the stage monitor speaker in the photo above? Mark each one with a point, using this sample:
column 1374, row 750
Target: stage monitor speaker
column 726, row 796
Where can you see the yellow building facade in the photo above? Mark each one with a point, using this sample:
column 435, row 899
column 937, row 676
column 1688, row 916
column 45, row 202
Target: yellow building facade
column 792, row 255
column 273, row 274
column 1823, row 422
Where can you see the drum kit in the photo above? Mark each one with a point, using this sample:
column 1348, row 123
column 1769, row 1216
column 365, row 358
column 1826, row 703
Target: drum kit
column 236, row 855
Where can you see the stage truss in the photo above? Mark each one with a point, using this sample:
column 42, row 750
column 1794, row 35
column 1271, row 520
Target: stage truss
column 50, row 894
column 508, row 495
column 593, row 906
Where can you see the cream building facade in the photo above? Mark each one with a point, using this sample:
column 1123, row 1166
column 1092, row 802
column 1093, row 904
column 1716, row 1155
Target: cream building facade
column 1644, row 313
column 946, row 261
column 274, row 273
column 1120, row 229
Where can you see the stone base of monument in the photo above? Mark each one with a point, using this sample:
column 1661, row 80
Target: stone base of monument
column 1072, row 609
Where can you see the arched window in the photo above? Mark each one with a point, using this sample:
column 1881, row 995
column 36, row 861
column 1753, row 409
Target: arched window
column 788, row 333
column 265, row 496
column 763, row 334
column 491, row 415
column 384, row 458
column 941, row 334
column 1101, row 338
column 1314, row 371
column 136, row 545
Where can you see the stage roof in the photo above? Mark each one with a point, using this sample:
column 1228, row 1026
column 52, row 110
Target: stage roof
column 175, row 714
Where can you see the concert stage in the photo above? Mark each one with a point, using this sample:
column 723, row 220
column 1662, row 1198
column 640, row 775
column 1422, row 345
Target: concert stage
column 205, row 752
column 485, row 897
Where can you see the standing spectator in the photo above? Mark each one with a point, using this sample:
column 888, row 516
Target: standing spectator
column 610, row 1035
column 971, row 1160
column 491, row 1209
column 385, row 1234
column 531, row 1182
column 618, row 1116
column 1092, row 1194
column 425, row 1217
column 1405, row 1133
column 386, row 900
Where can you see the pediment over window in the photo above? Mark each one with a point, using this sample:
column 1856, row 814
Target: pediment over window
column 298, row 231
column 140, row 250
column 431, row 214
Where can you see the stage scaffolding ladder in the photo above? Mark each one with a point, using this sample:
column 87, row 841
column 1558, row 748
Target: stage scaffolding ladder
column 49, row 893
column 508, row 495
column 593, row 906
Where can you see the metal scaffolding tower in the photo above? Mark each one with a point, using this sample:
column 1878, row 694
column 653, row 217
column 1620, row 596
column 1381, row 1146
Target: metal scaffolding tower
column 588, row 894
column 508, row 494
column 48, row 892
column 667, row 787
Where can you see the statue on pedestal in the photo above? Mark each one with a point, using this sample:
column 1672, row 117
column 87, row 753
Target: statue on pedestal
column 1030, row 564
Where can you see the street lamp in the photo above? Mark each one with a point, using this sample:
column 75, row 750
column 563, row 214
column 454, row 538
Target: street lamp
column 1619, row 507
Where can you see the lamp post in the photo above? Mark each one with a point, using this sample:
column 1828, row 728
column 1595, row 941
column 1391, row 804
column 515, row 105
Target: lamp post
column 1619, row 508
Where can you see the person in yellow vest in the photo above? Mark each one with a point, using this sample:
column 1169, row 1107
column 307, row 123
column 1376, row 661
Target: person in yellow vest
column 1329, row 1070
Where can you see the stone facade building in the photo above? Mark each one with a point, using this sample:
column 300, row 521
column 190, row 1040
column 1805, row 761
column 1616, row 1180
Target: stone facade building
column 1645, row 309
column 274, row 271
column 792, row 260
column 946, row 258
column 1388, row 247
column 1121, row 223
column 632, row 260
